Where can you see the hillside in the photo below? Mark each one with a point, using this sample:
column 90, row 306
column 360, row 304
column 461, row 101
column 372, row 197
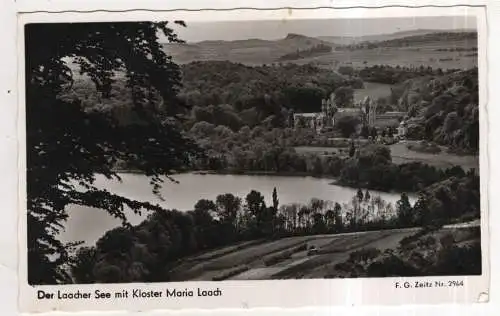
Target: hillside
column 251, row 95
column 423, row 40
column 438, row 50
column 443, row 109
column 230, row 94
column 249, row 51
column 349, row 40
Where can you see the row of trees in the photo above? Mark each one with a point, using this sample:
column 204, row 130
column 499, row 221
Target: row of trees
column 442, row 107
column 309, row 52
column 413, row 40
column 298, row 87
column 388, row 74
column 446, row 109
column 231, row 94
column 371, row 166
column 426, row 253
column 358, row 165
column 131, row 115
column 149, row 251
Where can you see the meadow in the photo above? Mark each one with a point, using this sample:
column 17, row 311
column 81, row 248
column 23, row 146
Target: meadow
column 258, row 52
column 401, row 154
column 252, row 262
column 373, row 90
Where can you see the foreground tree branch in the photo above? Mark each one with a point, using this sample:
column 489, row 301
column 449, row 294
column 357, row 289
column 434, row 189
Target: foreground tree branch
column 69, row 143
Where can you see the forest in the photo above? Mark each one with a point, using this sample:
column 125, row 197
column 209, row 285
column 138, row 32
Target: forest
column 304, row 53
column 413, row 40
column 445, row 108
column 238, row 96
column 148, row 251
column 368, row 165
column 132, row 107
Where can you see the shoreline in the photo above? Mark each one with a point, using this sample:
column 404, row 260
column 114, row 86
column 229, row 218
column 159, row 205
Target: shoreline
column 236, row 173
column 261, row 173
column 334, row 180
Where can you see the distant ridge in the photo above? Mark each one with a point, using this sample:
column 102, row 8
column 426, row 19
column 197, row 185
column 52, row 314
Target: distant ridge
column 343, row 40
column 218, row 42
column 337, row 39
column 255, row 51
column 295, row 36
column 257, row 41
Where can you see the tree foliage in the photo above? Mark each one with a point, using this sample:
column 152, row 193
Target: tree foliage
column 68, row 142
column 444, row 109
column 347, row 125
column 344, row 97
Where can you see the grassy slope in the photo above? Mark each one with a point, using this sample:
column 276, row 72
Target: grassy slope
column 373, row 90
column 252, row 51
column 256, row 51
column 401, row 154
column 248, row 264
column 347, row 40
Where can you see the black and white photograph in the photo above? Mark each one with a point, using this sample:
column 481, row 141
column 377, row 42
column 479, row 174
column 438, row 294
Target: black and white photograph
column 172, row 151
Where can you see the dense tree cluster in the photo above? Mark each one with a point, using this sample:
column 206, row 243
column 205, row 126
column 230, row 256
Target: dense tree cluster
column 259, row 150
column 272, row 151
column 457, row 49
column 149, row 251
column 132, row 107
column 298, row 87
column 396, row 74
column 371, row 167
column 309, row 52
column 232, row 94
column 429, row 252
column 69, row 143
column 413, row 40
column 445, row 108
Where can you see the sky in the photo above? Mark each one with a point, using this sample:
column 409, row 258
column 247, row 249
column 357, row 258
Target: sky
column 276, row 29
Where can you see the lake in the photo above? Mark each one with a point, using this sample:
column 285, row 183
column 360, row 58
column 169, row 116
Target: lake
column 88, row 224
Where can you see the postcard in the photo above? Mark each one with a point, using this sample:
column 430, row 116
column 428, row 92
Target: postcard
column 248, row 158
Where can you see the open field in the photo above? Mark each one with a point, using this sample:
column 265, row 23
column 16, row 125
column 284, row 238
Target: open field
column 322, row 151
column 251, row 263
column 401, row 154
column 396, row 57
column 258, row 52
column 373, row 90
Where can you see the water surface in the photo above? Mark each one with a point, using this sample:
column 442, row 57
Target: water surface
column 89, row 224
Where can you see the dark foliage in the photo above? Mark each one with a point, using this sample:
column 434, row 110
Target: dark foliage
column 150, row 250
column 413, row 40
column 68, row 143
column 315, row 50
column 428, row 253
column 393, row 75
column 445, row 109
column 264, row 89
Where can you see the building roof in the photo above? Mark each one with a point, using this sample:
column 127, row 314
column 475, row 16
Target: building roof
column 306, row 114
column 395, row 113
column 349, row 110
column 391, row 115
column 382, row 123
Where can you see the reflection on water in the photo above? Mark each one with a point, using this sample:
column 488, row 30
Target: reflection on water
column 88, row 224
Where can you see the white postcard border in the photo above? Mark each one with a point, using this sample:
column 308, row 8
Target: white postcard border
column 251, row 294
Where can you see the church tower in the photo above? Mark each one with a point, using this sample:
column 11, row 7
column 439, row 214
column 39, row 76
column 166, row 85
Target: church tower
column 328, row 110
column 372, row 112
